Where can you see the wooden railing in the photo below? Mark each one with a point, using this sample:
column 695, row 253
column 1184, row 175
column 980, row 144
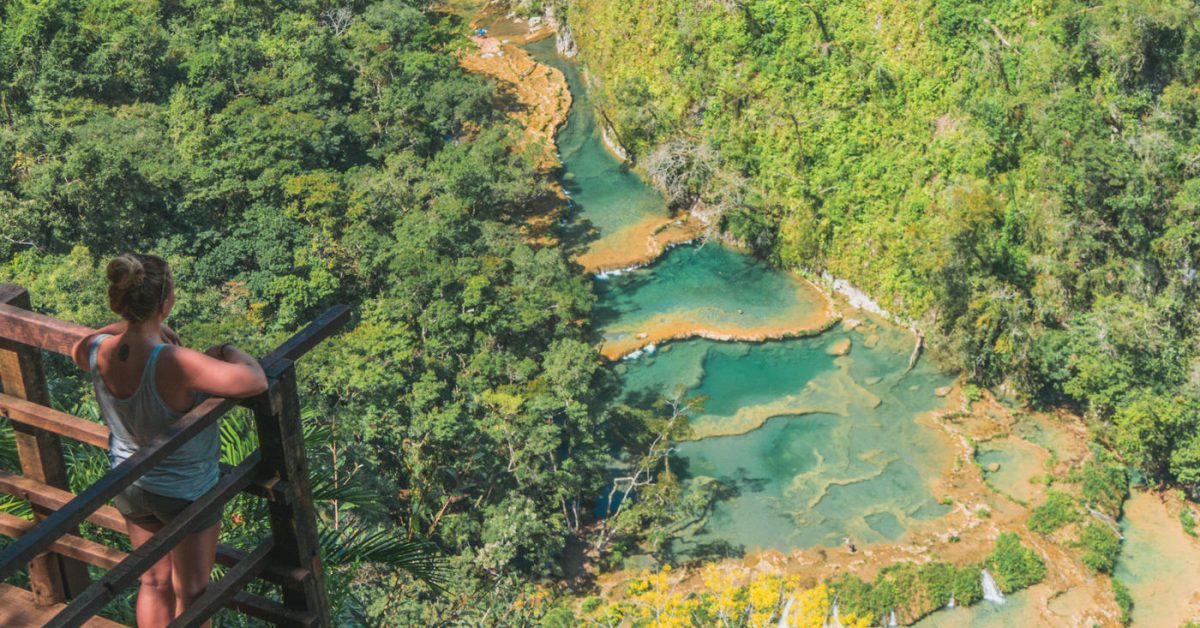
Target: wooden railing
column 50, row 546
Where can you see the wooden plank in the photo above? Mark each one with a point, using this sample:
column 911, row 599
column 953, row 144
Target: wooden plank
column 52, row 498
column 53, row 578
column 18, row 610
column 270, row 610
column 38, row 330
column 42, row 417
column 68, row 517
column 104, row 590
column 200, row 417
column 109, row 518
column 218, row 593
column 70, row 545
column 293, row 525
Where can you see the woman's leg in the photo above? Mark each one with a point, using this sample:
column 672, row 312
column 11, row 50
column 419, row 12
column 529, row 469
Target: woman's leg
column 156, row 595
column 192, row 563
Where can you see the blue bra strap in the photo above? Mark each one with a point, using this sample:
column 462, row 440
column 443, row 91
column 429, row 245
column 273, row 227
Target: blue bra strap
column 94, row 349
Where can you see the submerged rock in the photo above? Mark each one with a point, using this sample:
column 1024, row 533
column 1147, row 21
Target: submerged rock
column 942, row 391
column 871, row 341
column 993, row 467
column 841, row 347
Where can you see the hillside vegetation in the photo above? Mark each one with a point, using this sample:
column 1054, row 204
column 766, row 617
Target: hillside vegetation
column 285, row 157
column 1022, row 178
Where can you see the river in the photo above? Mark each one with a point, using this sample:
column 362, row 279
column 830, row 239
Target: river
column 814, row 446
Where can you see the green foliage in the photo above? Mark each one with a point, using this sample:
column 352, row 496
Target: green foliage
column 1013, row 175
column 1100, row 545
column 1058, row 510
column 912, row 590
column 1104, row 483
column 283, row 160
column 1124, row 601
column 1013, row 565
column 1188, row 519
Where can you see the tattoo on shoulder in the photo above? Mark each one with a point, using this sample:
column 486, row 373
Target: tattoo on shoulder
column 123, row 352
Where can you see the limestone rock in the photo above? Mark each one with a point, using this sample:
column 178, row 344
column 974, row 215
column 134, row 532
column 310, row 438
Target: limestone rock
column 841, row 347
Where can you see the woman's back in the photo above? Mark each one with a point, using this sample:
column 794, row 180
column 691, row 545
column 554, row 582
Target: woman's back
column 136, row 419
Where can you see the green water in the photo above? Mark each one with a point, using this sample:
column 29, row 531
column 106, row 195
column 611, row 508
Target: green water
column 711, row 286
column 856, row 463
column 814, row 447
column 606, row 195
column 1015, row 611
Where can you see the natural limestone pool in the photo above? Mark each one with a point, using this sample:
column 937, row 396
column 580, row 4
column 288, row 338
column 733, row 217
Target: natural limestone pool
column 617, row 221
column 816, row 437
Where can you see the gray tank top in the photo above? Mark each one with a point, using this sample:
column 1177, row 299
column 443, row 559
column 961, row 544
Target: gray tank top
column 135, row 421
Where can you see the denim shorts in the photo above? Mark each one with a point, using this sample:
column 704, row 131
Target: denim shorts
column 145, row 508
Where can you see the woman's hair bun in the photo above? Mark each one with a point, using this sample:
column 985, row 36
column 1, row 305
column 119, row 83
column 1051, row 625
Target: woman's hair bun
column 126, row 272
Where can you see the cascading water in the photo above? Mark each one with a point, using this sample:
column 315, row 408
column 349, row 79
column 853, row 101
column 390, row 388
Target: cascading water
column 892, row 618
column 951, row 604
column 835, row 620
column 991, row 591
column 787, row 611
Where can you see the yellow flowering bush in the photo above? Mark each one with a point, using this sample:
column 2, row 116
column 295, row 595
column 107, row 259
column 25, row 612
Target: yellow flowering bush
column 723, row 598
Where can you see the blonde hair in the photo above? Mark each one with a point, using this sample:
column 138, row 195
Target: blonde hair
column 138, row 285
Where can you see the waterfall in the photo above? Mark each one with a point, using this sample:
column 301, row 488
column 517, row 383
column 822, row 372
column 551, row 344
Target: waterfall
column 991, row 592
column 951, row 604
column 835, row 621
column 892, row 618
column 787, row 610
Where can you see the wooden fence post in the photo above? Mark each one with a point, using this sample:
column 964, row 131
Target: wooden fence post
column 293, row 520
column 53, row 577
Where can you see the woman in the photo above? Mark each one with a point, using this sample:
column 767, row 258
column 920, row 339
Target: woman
column 144, row 382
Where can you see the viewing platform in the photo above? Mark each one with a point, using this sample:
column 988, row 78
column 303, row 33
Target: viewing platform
column 54, row 555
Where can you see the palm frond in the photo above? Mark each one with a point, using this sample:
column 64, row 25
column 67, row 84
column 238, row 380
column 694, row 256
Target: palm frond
column 238, row 437
column 418, row 558
column 348, row 493
column 8, row 447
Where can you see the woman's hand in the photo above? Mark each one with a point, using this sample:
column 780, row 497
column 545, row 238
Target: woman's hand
column 169, row 335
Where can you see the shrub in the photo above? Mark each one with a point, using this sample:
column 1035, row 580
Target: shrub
column 1058, row 510
column 1105, row 484
column 1124, row 601
column 1013, row 565
column 1100, row 547
column 1188, row 520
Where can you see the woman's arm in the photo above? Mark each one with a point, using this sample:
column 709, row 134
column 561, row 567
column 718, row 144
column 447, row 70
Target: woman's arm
column 222, row 371
column 80, row 351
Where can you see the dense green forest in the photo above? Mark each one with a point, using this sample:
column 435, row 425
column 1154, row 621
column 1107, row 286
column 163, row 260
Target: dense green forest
column 1021, row 178
column 288, row 156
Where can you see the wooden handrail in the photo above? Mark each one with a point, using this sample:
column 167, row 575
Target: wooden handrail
column 53, row 421
column 80, row 549
column 113, row 482
column 137, row 562
column 108, row 518
column 217, row 593
column 106, row 557
column 50, row 543
column 208, row 412
column 39, row 330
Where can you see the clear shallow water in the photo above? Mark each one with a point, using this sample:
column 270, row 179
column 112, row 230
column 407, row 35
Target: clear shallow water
column 1159, row 563
column 1015, row 611
column 835, row 455
column 814, row 447
column 710, row 287
column 606, row 194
